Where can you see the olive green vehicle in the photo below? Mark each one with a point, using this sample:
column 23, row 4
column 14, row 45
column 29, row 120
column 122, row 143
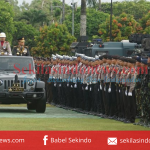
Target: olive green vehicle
column 18, row 83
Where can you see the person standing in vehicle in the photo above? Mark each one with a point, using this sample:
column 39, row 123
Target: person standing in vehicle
column 4, row 45
column 21, row 49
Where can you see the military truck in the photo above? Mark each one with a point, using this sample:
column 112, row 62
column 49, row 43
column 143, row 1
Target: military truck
column 97, row 47
column 18, row 83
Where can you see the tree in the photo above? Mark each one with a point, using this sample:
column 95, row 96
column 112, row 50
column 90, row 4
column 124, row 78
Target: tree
column 34, row 16
column 145, row 23
column 92, row 3
column 26, row 31
column 48, row 7
column 52, row 39
column 6, row 19
column 137, row 8
column 122, row 27
column 94, row 19
column 14, row 4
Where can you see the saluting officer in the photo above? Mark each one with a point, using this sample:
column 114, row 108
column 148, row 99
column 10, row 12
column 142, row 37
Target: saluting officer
column 4, row 45
column 21, row 49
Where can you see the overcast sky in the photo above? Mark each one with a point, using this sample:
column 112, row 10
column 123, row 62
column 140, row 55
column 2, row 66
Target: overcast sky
column 66, row 1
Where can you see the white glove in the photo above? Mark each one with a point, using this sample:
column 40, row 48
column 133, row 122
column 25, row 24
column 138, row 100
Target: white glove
column 119, row 91
column 126, row 93
column 104, row 88
column 5, row 53
column 75, row 86
column 109, row 90
column 130, row 94
column 100, row 87
column 86, row 87
column 90, row 89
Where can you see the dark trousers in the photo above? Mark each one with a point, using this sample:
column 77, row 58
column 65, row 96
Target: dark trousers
column 90, row 98
column 122, row 102
column 55, row 93
column 104, row 98
column 96, row 104
column 108, row 101
column 80, row 94
column 71, row 95
column 113, row 100
column 67, row 90
column 85, row 98
column 118, row 101
column 76, row 97
column 63, row 93
column 100, row 99
column 49, row 92
column 131, row 107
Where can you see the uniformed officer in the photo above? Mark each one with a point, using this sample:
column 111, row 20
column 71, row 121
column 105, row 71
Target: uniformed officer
column 21, row 49
column 4, row 45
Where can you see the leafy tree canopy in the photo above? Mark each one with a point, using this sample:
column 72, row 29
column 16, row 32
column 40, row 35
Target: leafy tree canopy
column 94, row 18
column 26, row 31
column 6, row 19
column 52, row 39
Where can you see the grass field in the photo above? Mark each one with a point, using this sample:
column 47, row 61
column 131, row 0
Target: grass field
column 17, row 117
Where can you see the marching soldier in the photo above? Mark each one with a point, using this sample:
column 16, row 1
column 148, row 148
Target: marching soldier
column 4, row 45
column 21, row 49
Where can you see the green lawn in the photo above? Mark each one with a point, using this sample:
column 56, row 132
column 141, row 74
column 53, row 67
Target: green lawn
column 65, row 124
column 16, row 117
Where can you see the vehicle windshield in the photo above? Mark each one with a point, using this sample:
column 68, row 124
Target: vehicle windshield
column 16, row 64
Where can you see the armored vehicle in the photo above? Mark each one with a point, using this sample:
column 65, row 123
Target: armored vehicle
column 18, row 83
column 97, row 47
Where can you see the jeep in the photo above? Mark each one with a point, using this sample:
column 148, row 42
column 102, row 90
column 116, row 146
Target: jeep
column 18, row 83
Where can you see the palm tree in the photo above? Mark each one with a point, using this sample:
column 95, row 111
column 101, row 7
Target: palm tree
column 34, row 16
column 99, row 5
column 83, row 14
column 83, row 18
column 92, row 3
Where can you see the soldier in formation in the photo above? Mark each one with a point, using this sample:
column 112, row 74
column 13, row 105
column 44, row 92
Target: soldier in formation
column 43, row 68
column 107, row 86
column 142, row 91
column 103, row 86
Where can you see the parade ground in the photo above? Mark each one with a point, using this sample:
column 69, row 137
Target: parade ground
column 17, row 117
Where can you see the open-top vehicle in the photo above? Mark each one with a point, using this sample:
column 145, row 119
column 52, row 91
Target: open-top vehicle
column 18, row 83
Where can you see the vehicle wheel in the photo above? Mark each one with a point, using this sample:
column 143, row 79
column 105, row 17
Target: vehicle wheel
column 41, row 104
column 31, row 106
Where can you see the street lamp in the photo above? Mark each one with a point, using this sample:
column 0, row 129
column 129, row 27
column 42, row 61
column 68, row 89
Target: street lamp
column 111, row 21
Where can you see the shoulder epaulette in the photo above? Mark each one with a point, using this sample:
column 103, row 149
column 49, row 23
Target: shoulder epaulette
column 15, row 46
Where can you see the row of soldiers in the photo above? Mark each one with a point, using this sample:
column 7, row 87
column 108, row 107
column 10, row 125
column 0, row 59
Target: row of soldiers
column 107, row 86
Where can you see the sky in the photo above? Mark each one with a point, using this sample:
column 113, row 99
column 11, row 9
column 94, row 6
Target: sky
column 66, row 1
